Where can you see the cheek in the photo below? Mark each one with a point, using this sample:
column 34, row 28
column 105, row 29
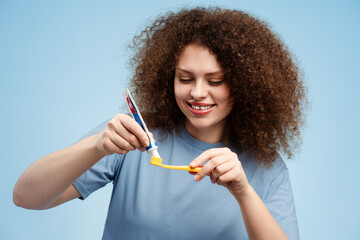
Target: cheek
column 178, row 93
column 176, row 89
column 223, row 95
column 179, row 90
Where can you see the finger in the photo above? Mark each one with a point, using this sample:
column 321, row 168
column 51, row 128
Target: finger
column 120, row 142
column 116, row 126
column 151, row 135
column 110, row 147
column 220, row 170
column 132, row 126
column 208, row 154
column 209, row 167
column 129, row 137
column 226, row 177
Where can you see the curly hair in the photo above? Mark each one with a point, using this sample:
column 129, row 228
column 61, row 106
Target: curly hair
column 266, row 85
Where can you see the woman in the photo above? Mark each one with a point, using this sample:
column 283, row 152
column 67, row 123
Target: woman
column 219, row 90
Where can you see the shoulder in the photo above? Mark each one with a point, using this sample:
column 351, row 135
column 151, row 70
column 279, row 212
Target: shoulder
column 263, row 178
column 278, row 167
column 278, row 172
column 280, row 179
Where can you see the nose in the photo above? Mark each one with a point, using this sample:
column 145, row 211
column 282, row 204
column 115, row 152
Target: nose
column 199, row 90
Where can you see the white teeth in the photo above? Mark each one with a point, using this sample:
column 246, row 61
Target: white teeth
column 200, row 107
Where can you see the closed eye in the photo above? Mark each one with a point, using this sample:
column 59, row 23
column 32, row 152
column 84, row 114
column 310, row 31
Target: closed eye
column 215, row 82
column 185, row 80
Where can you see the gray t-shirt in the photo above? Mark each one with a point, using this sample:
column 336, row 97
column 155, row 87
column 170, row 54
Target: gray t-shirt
column 150, row 202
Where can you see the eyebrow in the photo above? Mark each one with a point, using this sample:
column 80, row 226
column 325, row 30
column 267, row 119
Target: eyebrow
column 208, row 74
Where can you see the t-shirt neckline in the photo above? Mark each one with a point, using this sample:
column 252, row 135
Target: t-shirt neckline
column 196, row 143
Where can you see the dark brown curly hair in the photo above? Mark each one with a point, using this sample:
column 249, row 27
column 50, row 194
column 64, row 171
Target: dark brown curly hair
column 265, row 83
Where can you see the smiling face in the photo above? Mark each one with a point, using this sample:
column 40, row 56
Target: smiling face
column 201, row 93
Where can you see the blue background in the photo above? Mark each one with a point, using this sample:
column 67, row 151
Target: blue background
column 63, row 69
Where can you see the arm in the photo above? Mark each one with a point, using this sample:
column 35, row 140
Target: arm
column 224, row 168
column 258, row 220
column 48, row 181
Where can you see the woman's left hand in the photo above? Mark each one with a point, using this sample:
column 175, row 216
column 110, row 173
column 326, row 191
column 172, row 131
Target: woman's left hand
column 224, row 168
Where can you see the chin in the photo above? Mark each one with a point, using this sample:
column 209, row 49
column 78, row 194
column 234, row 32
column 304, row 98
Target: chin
column 200, row 124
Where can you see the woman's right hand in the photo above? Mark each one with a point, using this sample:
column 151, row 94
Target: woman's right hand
column 121, row 135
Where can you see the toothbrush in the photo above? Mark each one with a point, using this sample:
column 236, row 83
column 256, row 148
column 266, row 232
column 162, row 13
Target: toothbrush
column 152, row 148
column 158, row 162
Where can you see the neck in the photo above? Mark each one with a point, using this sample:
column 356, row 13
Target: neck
column 209, row 135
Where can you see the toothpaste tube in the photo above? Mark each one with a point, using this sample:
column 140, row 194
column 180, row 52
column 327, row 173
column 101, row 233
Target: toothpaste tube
column 152, row 148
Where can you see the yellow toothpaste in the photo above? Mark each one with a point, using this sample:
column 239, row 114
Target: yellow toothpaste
column 158, row 162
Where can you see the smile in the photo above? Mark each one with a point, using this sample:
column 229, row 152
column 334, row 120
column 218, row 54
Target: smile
column 200, row 109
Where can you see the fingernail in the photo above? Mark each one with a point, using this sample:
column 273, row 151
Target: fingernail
column 146, row 142
column 197, row 177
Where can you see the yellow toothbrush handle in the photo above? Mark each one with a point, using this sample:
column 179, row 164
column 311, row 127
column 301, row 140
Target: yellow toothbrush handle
column 158, row 162
column 185, row 168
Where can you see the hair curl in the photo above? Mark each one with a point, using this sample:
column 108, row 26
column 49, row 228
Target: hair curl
column 265, row 83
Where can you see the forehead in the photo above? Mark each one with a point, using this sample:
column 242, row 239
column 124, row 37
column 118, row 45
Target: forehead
column 195, row 58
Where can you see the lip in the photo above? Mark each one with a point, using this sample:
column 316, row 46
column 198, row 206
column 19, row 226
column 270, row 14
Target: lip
column 200, row 111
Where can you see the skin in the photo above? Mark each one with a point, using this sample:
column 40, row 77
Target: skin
column 199, row 68
column 199, row 81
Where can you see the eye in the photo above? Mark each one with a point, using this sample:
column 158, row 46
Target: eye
column 185, row 80
column 215, row 82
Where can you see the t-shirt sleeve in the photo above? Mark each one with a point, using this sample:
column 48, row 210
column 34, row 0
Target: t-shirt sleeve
column 98, row 176
column 280, row 201
column 101, row 173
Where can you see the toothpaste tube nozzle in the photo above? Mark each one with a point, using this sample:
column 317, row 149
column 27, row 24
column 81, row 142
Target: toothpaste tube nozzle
column 152, row 148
